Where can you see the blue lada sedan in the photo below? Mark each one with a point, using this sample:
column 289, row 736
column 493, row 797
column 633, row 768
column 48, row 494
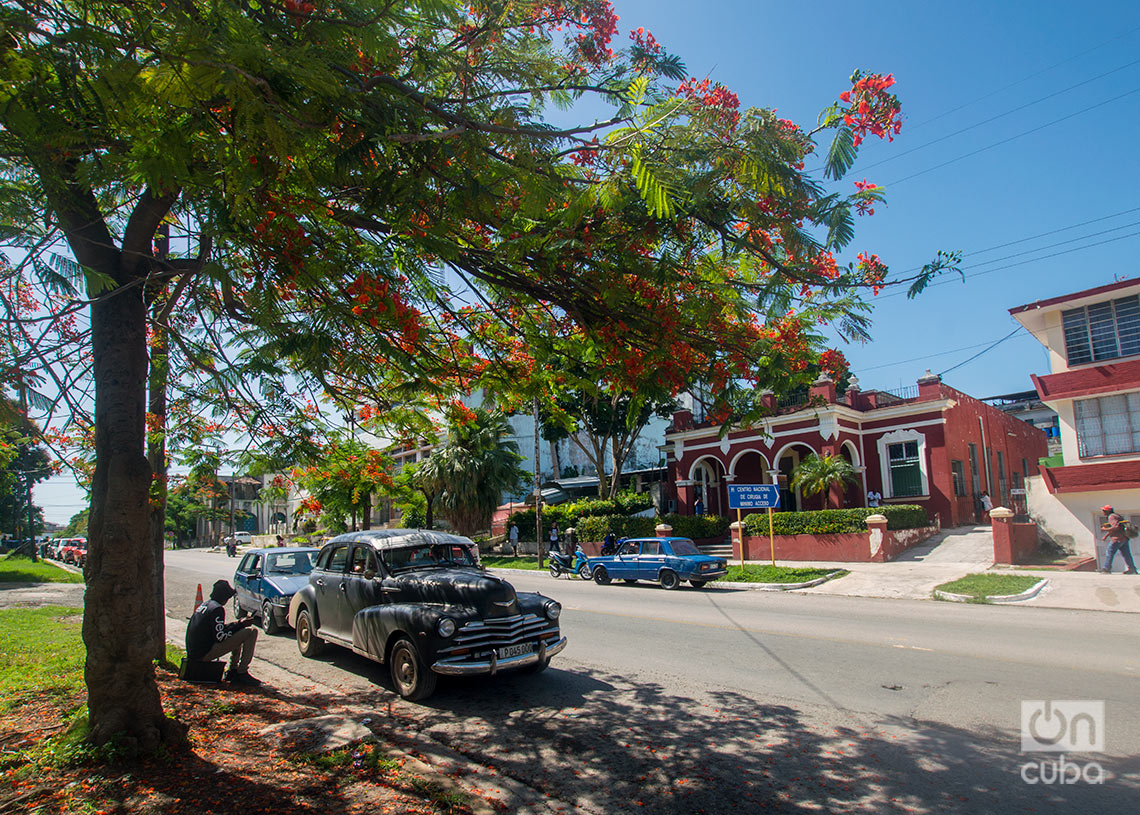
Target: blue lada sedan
column 667, row 561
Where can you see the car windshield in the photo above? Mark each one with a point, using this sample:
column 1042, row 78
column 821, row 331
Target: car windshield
column 427, row 556
column 684, row 547
column 291, row 563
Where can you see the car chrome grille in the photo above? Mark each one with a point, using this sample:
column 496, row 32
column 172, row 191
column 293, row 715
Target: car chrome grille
column 498, row 632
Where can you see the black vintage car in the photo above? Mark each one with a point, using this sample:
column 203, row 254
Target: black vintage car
column 419, row 602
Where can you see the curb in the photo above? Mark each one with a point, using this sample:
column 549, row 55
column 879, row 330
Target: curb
column 1028, row 594
column 719, row 584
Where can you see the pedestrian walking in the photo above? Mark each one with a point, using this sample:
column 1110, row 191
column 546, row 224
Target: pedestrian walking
column 1117, row 530
column 554, row 539
column 699, row 507
column 874, row 497
column 514, row 538
column 987, row 505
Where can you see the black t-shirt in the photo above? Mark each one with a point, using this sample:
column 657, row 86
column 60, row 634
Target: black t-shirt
column 207, row 627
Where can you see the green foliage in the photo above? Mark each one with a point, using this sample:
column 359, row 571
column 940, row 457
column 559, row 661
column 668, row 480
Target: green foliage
column 816, row 474
column 698, row 526
column 757, row 573
column 835, row 521
column 981, row 586
column 595, row 527
column 574, row 513
column 21, row 459
column 77, row 526
column 522, row 562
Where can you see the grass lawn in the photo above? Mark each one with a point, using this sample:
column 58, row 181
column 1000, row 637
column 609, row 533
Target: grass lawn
column 41, row 655
column 20, row 569
column 755, row 573
column 500, row 562
column 989, row 585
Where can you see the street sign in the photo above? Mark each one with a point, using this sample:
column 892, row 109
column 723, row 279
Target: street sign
column 753, row 496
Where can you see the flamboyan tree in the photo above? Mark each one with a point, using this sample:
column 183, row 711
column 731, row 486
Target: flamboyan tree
column 366, row 200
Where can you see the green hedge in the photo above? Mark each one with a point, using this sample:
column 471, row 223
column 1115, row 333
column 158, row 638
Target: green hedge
column 595, row 527
column 573, row 514
column 698, row 526
column 835, row 521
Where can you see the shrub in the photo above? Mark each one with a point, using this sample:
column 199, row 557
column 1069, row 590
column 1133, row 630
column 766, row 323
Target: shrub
column 698, row 526
column 595, row 527
column 835, row 521
column 574, row 513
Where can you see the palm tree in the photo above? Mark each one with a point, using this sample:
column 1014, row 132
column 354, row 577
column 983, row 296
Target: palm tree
column 474, row 467
column 816, row 474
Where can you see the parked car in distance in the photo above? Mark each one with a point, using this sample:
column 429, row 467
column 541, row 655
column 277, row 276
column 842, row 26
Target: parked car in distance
column 74, row 551
column 418, row 602
column 240, row 538
column 55, row 547
column 667, row 561
column 267, row 579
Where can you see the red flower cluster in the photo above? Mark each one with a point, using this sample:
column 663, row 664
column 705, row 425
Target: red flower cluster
column 645, row 47
column 834, row 363
column 870, row 108
column 715, row 96
column 599, row 18
column 873, row 270
column 864, row 206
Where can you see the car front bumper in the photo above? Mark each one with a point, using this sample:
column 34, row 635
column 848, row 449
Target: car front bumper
column 461, row 666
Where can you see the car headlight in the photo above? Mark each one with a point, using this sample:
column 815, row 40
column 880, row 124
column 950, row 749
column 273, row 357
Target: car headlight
column 553, row 610
column 445, row 627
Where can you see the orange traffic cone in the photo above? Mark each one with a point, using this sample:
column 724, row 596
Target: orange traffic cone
column 198, row 597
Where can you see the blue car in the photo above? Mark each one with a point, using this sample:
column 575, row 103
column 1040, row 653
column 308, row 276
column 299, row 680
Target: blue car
column 667, row 561
column 267, row 579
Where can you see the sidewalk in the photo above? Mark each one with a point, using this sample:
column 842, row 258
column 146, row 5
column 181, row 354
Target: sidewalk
column 954, row 553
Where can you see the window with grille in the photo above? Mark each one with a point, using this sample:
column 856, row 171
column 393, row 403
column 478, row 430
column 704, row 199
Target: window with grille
column 1109, row 425
column 906, row 475
column 1102, row 331
column 958, row 475
column 1001, row 474
column 975, row 482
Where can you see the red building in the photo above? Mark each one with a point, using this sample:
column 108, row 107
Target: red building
column 929, row 445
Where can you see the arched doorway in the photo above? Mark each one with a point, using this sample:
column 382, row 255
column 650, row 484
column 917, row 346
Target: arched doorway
column 708, row 480
column 853, row 493
column 786, row 462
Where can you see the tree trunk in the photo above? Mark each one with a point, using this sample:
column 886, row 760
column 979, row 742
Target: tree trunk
column 156, row 448
column 555, row 464
column 119, row 623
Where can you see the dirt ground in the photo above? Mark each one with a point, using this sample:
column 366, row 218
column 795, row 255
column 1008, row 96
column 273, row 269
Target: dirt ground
column 230, row 767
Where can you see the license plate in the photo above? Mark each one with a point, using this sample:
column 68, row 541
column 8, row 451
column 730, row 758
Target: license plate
column 516, row 650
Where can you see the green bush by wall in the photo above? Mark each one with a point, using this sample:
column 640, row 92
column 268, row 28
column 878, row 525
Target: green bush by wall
column 836, row 521
column 595, row 527
column 698, row 526
column 575, row 512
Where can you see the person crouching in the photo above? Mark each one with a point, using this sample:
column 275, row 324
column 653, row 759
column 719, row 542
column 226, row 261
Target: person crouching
column 210, row 637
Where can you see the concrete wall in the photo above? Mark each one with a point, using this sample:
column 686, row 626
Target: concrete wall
column 1068, row 520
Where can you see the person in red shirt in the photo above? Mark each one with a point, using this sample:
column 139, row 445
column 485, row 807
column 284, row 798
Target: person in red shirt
column 1117, row 531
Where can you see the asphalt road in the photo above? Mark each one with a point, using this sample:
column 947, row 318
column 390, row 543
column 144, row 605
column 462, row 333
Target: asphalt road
column 741, row 701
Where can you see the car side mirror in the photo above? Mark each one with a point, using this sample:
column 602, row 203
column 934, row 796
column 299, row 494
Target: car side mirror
column 369, row 574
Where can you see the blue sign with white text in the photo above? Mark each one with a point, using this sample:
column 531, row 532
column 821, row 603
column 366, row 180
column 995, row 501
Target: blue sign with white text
column 753, row 496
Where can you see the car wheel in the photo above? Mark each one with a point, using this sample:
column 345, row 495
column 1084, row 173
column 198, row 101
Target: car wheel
column 411, row 676
column 668, row 579
column 268, row 621
column 554, row 570
column 698, row 584
column 308, row 643
column 239, row 612
column 629, row 580
column 601, row 576
column 584, row 571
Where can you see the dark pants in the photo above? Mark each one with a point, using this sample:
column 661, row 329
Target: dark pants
column 1124, row 549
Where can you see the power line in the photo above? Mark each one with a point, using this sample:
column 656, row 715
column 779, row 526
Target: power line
column 864, row 369
column 983, row 351
column 1012, row 138
column 968, row 128
column 1026, row 78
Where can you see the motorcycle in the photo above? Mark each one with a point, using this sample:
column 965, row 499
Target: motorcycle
column 561, row 564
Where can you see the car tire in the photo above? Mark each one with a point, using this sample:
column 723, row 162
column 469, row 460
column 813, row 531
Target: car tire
column 668, row 579
column 239, row 612
column 308, row 643
column 584, row 571
column 268, row 621
column 555, row 571
column 601, row 576
column 698, row 584
column 411, row 677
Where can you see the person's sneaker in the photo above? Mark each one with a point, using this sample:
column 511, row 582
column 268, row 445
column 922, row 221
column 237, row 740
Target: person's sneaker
column 1131, row 571
column 1105, row 571
column 241, row 678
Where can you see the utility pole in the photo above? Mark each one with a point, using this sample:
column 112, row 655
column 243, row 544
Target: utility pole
column 537, row 490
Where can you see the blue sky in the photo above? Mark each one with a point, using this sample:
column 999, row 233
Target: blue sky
column 993, row 70
column 957, row 65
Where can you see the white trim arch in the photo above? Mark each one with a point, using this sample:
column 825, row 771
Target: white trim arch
column 790, row 445
column 850, row 445
column 742, row 454
column 697, row 466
